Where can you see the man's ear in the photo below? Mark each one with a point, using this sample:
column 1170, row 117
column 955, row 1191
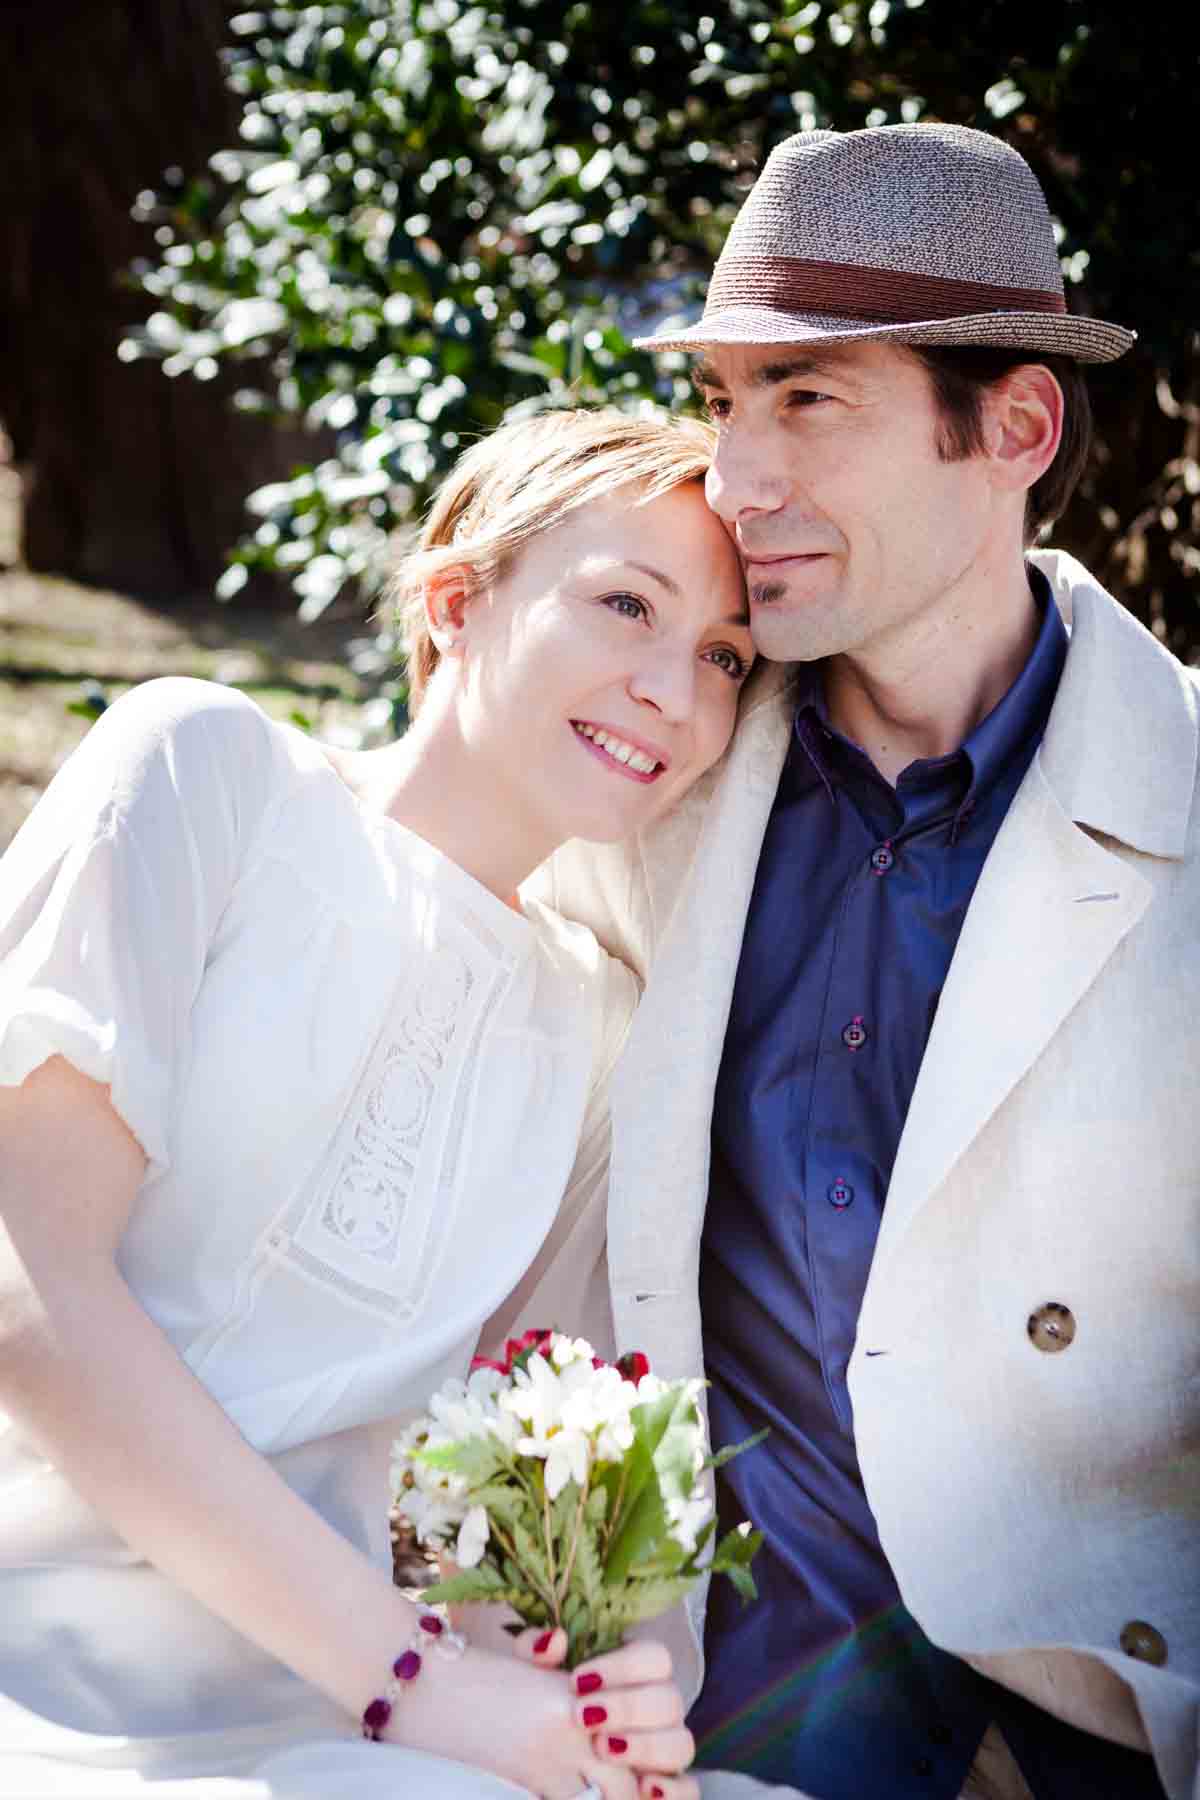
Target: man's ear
column 446, row 601
column 1024, row 425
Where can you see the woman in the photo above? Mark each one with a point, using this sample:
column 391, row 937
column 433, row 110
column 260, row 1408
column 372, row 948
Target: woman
column 290, row 1089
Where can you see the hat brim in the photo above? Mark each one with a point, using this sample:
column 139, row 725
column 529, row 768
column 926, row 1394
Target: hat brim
column 1054, row 334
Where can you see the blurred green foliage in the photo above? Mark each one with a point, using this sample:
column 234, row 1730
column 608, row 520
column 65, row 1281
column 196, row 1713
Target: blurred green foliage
column 441, row 211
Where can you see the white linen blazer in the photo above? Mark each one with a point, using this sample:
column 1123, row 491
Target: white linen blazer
column 1036, row 1508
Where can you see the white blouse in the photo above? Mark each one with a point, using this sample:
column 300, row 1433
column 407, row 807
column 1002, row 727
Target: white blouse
column 360, row 1081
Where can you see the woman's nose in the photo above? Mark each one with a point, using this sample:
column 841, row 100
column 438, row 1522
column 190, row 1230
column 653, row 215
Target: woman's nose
column 666, row 681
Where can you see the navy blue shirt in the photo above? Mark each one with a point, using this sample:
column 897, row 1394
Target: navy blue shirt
column 826, row 1683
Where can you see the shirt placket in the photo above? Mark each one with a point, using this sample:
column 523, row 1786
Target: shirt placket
column 849, row 1143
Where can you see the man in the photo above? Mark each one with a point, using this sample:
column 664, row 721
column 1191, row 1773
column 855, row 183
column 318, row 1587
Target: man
column 922, row 962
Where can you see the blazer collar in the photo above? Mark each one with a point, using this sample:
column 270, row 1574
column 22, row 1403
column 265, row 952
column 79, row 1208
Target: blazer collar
column 1120, row 749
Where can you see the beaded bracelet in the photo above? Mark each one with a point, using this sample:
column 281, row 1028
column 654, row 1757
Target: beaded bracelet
column 431, row 1633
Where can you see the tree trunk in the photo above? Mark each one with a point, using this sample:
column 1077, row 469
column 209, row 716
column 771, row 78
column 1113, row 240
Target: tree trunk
column 131, row 480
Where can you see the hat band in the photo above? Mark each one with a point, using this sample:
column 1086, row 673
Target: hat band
column 793, row 284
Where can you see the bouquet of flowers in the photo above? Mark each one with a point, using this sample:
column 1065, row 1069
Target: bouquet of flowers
column 569, row 1488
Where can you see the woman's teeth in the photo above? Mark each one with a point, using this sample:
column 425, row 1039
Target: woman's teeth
column 619, row 750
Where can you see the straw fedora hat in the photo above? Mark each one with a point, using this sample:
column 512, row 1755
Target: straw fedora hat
column 926, row 234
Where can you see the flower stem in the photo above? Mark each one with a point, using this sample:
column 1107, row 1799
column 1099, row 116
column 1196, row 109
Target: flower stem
column 549, row 1536
column 551, row 1598
column 614, row 1517
column 569, row 1566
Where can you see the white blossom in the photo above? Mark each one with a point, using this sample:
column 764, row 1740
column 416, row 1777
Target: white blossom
column 565, row 1350
column 472, row 1538
column 687, row 1518
column 535, row 1397
column 567, row 1459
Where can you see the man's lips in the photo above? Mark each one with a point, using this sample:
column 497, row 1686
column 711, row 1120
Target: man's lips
column 792, row 556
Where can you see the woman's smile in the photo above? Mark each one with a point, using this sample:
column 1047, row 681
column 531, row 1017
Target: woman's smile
column 623, row 754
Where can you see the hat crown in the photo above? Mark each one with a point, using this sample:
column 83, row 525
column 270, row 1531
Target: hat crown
column 940, row 201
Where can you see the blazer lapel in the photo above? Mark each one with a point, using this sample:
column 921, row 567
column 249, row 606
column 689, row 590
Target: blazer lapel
column 1117, row 763
column 1050, row 908
column 662, row 1089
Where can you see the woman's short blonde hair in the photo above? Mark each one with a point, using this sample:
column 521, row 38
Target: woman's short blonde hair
column 524, row 478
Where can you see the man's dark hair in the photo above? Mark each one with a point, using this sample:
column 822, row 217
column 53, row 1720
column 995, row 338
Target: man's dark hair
column 961, row 373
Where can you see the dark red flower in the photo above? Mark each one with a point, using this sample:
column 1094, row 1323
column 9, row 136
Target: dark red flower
column 633, row 1365
column 517, row 1351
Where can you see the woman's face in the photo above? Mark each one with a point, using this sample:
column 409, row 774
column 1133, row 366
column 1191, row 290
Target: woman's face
column 600, row 674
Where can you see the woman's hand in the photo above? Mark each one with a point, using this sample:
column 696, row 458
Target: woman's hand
column 626, row 1733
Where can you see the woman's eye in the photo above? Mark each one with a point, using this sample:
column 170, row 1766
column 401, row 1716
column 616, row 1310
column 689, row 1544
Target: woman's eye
column 628, row 605
column 730, row 661
column 717, row 406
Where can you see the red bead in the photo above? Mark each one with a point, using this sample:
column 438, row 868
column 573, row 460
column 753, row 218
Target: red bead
column 376, row 1717
column 408, row 1666
column 432, row 1624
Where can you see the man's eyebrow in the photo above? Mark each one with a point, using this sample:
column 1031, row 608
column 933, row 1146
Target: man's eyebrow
column 770, row 374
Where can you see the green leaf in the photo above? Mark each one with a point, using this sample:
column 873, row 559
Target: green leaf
column 482, row 1583
column 531, row 1555
column 721, row 1457
column 733, row 1556
column 646, row 1599
column 661, row 1467
column 587, row 1576
column 477, row 1460
column 508, row 1504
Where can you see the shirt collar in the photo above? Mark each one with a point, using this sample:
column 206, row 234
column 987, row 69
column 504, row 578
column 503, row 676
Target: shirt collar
column 1015, row 725
column 1012, row 729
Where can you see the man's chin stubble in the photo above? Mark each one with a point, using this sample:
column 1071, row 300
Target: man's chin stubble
column 764, row 592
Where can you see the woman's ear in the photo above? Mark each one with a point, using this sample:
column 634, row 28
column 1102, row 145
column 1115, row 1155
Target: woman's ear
column 446, row 601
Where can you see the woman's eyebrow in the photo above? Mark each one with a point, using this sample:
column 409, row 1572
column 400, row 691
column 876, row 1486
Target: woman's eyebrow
column 663, row 580
column 668, row 582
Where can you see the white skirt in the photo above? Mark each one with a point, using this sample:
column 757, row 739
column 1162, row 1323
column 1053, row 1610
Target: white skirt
column 325, row 1769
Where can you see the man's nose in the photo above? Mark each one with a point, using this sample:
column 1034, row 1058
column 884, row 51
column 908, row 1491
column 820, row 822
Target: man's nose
column 742, row 479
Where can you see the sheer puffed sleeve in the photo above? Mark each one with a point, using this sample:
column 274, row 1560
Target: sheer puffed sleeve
column 111, row 891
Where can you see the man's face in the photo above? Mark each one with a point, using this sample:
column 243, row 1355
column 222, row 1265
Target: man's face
column 858, row 539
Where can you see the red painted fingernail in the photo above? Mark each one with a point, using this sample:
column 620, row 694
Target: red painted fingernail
column 543, row 1643
column 588, row 1684
column 657, row 1793
column 594, row 1715
column 618, row 1746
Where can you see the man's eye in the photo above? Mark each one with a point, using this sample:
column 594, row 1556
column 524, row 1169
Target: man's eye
column 628, row 605
column 805, row 397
